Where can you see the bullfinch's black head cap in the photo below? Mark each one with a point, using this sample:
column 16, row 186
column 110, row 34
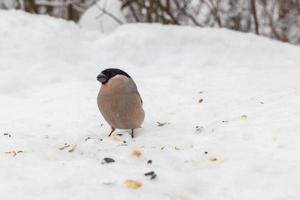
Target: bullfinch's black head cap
column 107, row 74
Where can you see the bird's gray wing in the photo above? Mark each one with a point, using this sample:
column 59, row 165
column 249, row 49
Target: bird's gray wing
column 132, row 88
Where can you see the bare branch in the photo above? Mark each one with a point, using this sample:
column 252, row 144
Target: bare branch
column 104, row 11
column 254, row 13
column 183, row 11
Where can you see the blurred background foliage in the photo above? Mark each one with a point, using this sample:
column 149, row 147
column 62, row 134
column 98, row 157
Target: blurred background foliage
column 278, row 19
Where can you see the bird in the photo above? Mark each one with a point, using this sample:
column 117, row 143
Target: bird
column 119, row 101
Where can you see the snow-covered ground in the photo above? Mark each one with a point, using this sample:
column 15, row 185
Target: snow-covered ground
column 241, row 141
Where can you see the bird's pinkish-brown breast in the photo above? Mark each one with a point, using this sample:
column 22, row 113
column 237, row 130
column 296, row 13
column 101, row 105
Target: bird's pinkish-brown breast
column 120, row 104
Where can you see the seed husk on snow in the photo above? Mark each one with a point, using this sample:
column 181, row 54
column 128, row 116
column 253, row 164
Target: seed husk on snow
column 199, row 129
column 244, row 117
column 72, row 149
column 177, row 148
column 162, row 123
column 64, row 147
column 153, row 176
column 133, row 184
column 14, row 153
column 124, row 143
column 69, row 147
column 136, row 153
column 108, row 160
column 214, row 159
column 7, row 134
column 149, row 173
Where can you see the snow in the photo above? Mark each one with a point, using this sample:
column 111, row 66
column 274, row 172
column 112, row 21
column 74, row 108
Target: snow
column 48, row 92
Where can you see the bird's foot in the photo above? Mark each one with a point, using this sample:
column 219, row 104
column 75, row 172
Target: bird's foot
column 112, row 130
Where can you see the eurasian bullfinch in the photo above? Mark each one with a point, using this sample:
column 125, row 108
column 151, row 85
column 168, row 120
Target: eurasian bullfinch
column 119, row 100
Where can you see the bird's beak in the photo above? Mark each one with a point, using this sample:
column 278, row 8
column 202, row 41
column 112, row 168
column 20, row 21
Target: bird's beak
column 102, row 78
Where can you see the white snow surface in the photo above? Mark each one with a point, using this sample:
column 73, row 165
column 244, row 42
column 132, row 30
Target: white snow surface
column 48, row 92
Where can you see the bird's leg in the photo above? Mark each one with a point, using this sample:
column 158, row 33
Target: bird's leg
column 132, row 135
column 112, row 130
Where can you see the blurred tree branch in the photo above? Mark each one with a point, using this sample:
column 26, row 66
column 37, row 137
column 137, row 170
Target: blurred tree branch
column 105, row 12
column 279, row 19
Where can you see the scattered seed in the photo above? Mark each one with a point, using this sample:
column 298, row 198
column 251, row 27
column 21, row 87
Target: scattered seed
column 124, row 142
column 7, row 134
column 261, row 102
column 14, row 153
column 177, row 148
column 200, row 101
column 119, row 134
column 205, row 152
column 20, row 151
column 244, row 117
column 149, row 173
column 64, row 147
column 108, row 160
column 117, row 138
column 132, row 184
column 149, row 162
column 101, row 139
column 88, row 138
column 153, row 176
column 224, row 121
column 162, row 123
column 136, row 153
column 199, row 129
column 214, row 159
column 108, row 183
column 72, row 149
